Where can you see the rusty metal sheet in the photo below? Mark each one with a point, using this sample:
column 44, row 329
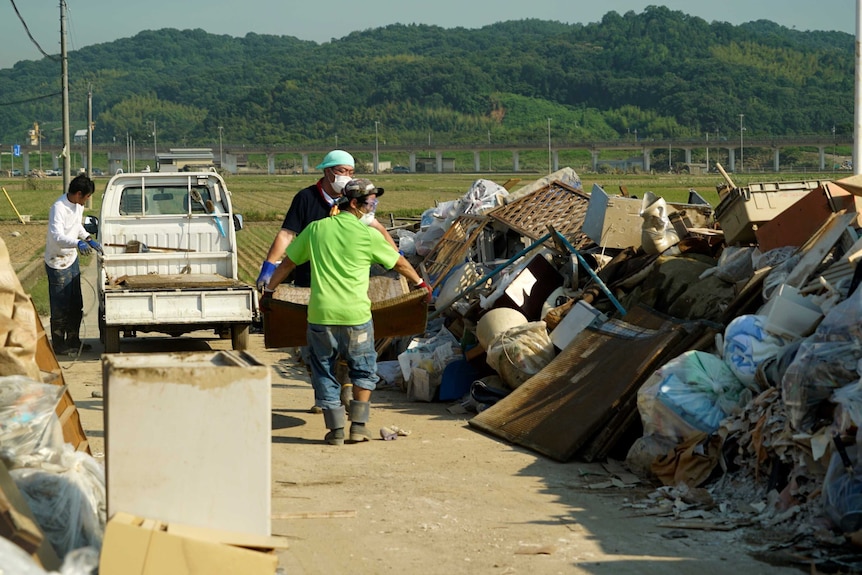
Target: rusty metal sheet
column 452, row 248
column 557, row 205
column 559, row 409
column 177, row 281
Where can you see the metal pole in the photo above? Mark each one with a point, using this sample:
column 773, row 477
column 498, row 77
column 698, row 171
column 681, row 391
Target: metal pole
column 155, row 148
column 489, row 151
column 741, row 145
column 67, row 151
column 376, row 148
column 707, row 152
column 221, row 152
column 549, row 142
column 857, row 100
column 90, row 130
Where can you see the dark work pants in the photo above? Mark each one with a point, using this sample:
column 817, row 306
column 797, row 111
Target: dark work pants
column 67, row 306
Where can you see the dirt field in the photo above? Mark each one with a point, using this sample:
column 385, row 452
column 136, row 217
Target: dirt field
column 26, row 245
column 445, row 499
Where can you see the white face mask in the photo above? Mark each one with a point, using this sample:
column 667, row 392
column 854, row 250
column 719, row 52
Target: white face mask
column 367, row 219
column 339, row 183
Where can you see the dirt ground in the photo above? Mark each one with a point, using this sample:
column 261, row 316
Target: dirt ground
column 444, row 499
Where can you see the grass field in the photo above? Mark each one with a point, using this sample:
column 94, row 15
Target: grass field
column 263, row 200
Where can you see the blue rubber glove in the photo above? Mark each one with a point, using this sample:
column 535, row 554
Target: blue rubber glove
column 266, row 271
column 83, row 247
column 96, row 246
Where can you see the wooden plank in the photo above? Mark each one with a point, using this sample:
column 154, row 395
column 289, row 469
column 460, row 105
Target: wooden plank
column 816, row 249
column 73, row 431
column 345, row 514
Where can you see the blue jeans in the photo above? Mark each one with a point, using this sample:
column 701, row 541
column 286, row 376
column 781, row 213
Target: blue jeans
column 354, row 343
column 67, row 306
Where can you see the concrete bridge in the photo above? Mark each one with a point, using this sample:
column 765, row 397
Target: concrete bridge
column 226, row 154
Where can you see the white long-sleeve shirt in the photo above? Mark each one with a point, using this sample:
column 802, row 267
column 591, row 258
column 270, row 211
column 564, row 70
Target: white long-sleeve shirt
column 64, row 232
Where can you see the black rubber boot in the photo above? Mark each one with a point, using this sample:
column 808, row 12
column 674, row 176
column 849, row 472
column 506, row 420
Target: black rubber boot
column 334, row 420
column 359, row 412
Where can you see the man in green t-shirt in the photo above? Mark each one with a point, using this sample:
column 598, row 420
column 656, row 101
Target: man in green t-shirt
column 341, row 250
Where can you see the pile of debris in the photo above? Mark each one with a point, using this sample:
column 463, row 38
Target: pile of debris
column 716, row 349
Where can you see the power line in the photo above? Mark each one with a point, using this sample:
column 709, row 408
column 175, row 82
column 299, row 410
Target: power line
column 32, row 39
column 33, row 99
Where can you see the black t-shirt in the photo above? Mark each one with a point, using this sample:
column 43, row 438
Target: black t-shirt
column 307, row 206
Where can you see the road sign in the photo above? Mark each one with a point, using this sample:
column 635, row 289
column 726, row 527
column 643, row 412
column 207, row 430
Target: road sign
column 16, row 150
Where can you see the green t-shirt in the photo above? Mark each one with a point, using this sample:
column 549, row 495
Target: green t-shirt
column 341, row 250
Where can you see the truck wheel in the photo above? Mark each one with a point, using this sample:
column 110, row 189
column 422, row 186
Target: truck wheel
column 112, row 339
column 239, row 337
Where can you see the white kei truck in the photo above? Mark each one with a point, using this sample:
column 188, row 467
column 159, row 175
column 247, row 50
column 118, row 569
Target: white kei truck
column 170, row 258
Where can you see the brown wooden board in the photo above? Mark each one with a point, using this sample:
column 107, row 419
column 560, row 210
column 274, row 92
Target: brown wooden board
column 558, row 410
column 699, row 336
column 70, row 419
column 394, row 312
column 557, row 205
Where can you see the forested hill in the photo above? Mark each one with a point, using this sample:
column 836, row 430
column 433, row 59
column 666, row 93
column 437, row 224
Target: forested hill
column 659, row 73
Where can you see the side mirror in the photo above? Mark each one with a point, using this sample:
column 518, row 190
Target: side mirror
column 237, row 222
column 91, row 224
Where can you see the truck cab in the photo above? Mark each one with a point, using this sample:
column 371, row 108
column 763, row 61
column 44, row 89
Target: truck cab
column 170, row 258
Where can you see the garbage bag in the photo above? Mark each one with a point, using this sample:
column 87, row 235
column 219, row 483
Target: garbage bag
column 826, row 360
column 698, row 387
column 842, row 491
column 15, row 560
column 747, row 345
column 521, row 352
column 28, row 422
column 67, row 495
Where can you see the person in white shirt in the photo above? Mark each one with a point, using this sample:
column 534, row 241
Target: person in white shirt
column 66, row 237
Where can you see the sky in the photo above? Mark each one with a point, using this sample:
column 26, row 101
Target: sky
column 97, row 21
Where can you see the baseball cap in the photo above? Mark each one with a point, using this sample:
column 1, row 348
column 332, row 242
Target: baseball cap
column 358, row 188
column 336, row 158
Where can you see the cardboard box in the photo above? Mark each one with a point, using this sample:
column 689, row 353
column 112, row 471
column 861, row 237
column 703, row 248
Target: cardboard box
column 137, row 546
column 743, row 210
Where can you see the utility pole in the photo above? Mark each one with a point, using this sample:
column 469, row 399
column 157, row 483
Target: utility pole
column 549, row 144
column 155, row 148
column 90, row 130
column 857, row 99
column 376, row 148
column 67, row 151
column 741, row 145
column 221, row 153
column 707, row 152
column 89, row 203
column 489, row 151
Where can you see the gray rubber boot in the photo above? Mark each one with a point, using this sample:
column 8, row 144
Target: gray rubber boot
column 334, row 420
column 359, row 412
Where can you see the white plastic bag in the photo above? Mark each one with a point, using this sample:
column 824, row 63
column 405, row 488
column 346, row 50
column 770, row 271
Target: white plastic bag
column 28, row 422
column 521, row 352
column 67, row 495
column 747, row 345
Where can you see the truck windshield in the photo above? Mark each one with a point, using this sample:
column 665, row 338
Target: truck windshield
column 163, row 200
